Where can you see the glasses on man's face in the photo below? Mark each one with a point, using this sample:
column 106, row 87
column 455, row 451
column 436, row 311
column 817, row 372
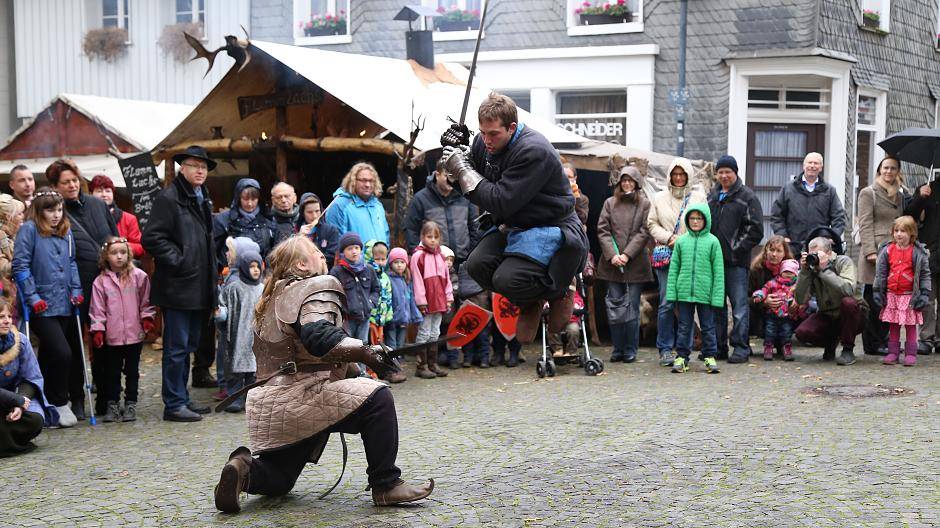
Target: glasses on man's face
column 196, row 167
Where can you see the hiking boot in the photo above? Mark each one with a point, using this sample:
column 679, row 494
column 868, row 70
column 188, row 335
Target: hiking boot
column 234, row 480
column 438, row 371
column 894, row 351
column 666, row 357
column 527, row 326
column 424, row 372
column 396, row 377
column 113, row 413
column 787, row 352
column 559, row 312
column 847, row 357
column 130, row 412
column 711, row 366
column 401, row 493
column 768, row 351
column 680, row 365
column 829, row 353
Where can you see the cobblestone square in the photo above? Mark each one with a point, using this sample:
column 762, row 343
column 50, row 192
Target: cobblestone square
column 635, row 446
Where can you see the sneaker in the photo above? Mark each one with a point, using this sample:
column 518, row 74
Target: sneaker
column 666, row 357
column 66, row 416
column 113, row 414
column 711, row 366
column 787, row 352
column 130, row 412
column 768, row 351
column 484, row 364
column 466, row 363
column 680, row 365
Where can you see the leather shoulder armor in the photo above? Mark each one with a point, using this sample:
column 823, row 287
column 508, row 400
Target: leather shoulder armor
column 320, row 297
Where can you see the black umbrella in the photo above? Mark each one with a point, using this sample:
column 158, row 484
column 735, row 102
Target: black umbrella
column 920, row 146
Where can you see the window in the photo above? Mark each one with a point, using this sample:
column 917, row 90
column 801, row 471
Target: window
column 457, row 19
column 788, row 98
column 115, row 13
column 936, row 41
column 604, row 17
column 869, row 130
column 321, row 22
column 523, row 99
column 774, row 154
column 594, row 115
column 191, row 12
column 876, row 14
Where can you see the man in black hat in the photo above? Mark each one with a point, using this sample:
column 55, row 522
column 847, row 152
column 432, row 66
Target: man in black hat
column 179, row 236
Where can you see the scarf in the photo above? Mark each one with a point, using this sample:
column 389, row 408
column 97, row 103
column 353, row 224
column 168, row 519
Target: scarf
column 356, row 267
column 199, row 196
column 7, row 340
column 892, row 190
column 246, row 214
column 774, row 269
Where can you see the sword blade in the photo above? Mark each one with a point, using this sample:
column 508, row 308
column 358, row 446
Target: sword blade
column 410, row 349
column 473, row 65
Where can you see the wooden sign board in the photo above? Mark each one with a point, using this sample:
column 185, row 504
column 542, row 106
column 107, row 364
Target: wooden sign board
column 142, row 182
column 251, row 104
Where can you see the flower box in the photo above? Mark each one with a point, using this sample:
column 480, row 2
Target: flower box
column 596, row 20
column 457, row 25
column 871, row 19
column 322, row 31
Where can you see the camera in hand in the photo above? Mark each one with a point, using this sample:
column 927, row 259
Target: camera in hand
column 812, row 260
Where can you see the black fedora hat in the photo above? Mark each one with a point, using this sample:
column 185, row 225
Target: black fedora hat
column 194, row 151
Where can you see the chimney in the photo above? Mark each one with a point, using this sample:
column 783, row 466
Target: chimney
column 419, row 44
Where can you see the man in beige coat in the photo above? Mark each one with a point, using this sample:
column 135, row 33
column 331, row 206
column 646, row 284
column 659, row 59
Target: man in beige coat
column 665, row 224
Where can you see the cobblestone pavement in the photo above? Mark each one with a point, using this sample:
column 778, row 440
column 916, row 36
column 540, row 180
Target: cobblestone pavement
column 635, row 446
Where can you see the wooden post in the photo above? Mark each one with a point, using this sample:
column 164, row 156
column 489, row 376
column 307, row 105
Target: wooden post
column 168, row 172
column 280, row 127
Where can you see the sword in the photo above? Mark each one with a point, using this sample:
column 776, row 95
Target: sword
column 473, row 66
column 458, row 134
column 410, row 349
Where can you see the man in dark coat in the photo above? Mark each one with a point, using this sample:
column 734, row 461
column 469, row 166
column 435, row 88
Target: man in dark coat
column 443, row 204
column 737, row 221
column 179, row 236
column 925, row 208
column 515, row 174
column 284, row 211
column 805, row 203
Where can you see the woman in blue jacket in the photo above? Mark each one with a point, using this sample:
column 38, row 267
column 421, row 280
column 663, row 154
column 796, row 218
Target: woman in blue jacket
column 356, row 207
column 47, row 276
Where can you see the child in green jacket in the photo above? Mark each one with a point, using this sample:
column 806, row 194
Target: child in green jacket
column 696, row 283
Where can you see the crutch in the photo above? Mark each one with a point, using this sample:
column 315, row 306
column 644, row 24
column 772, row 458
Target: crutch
column 85, row 375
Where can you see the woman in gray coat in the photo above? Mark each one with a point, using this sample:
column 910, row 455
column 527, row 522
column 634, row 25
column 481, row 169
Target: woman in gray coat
column 625, row 265
column 879, row 205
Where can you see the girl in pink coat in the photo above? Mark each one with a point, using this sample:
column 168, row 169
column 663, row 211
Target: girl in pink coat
column 434, row 295
column 121, row 315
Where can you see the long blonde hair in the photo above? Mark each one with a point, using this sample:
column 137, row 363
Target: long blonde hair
column 349, row 181
column 282, row 262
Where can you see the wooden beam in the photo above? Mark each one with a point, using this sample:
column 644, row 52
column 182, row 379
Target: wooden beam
column 335, row 144
column 280, row 155
column 169, row 172
column 326, row 144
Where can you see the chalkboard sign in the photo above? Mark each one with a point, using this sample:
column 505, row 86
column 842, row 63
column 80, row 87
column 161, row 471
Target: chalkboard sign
column 142, row 182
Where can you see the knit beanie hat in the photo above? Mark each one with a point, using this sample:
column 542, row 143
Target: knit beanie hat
column 100, row 181
column 397, row 254
column 447, row 252
column 791, row 266
column 349, row 239
column 727, row 161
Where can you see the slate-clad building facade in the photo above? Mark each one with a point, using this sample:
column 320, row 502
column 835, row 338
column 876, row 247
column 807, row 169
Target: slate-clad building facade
column 769, row 80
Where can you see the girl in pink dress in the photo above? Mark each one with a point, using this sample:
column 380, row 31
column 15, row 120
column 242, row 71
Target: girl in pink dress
column 901, row 289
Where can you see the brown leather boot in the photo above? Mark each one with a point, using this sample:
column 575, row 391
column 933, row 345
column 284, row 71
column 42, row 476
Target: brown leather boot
column 401, row 493
column 395, row 377
column 421, row 370
column 527, row 326
column 234, row 480
column 560, row 311
column 432, row 364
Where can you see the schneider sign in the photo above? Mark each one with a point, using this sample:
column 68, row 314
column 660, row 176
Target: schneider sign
column 595, row 129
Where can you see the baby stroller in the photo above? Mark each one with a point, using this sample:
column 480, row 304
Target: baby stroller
column 546, row 365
